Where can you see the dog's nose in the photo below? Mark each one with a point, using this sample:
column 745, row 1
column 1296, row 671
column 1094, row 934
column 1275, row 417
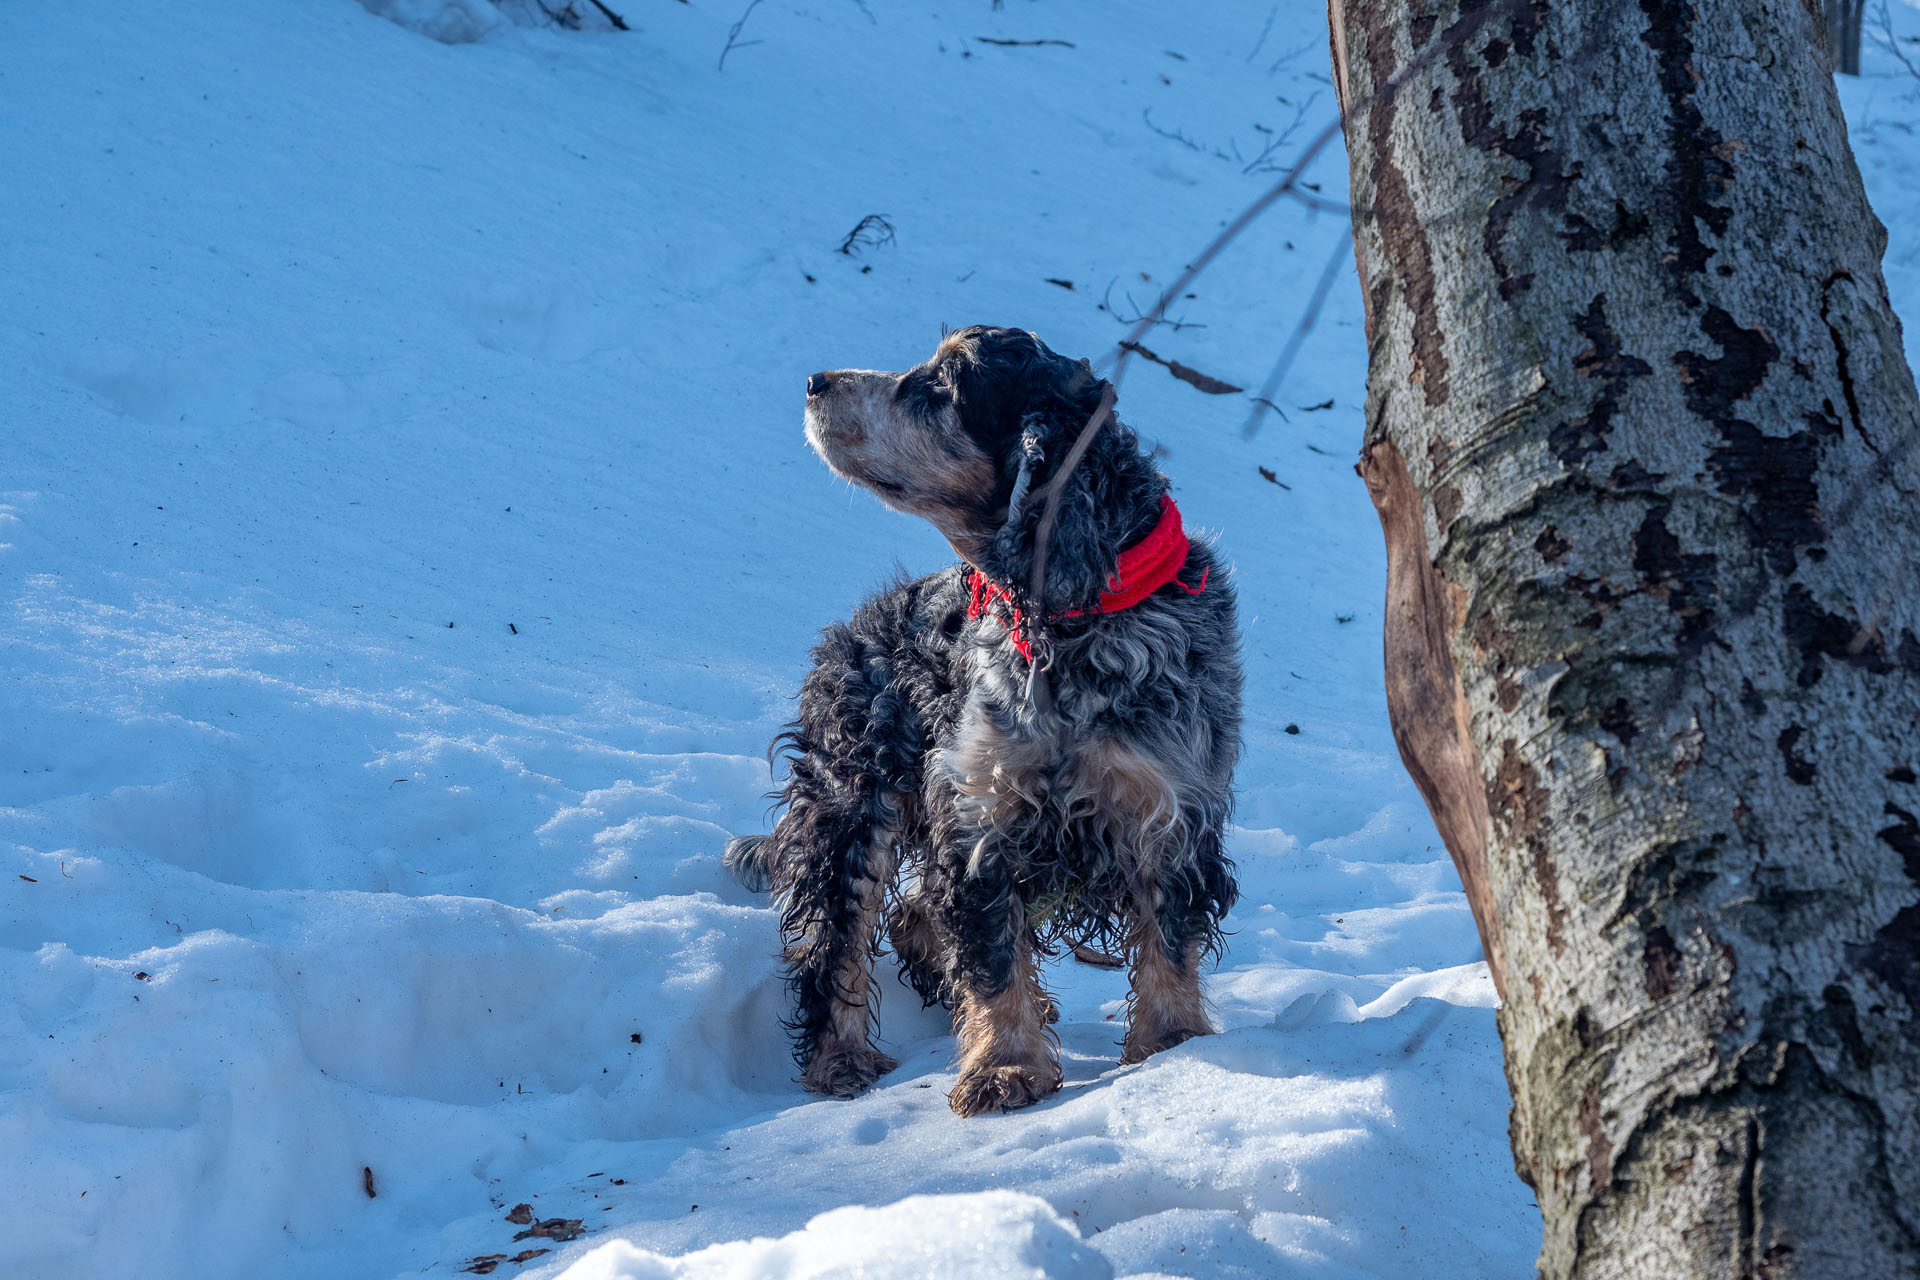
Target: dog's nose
column 817, row 385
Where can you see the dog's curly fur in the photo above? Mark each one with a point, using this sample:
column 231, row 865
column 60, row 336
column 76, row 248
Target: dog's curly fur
column 927, row 800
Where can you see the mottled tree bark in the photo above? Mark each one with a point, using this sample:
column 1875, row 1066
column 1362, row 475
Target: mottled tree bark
column 1643, row 445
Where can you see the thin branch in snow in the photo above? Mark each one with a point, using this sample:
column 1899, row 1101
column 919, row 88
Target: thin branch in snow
column 1288, row 183
column 1107, row 305
column 871, row 231
column 1265, row 30
column 1025, row 44
column 619, row 23
column 1186, row 373
column 1172, row 135
column 1264, row 162
column 1285, row 58
column 1271, row 388
column 733, row 35
column 1884, row 37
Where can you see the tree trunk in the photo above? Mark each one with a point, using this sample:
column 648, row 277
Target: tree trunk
column 1642, row 442
column 1844, row 19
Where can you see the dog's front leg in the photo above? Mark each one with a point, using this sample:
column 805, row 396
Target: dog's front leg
column 1008, row 1056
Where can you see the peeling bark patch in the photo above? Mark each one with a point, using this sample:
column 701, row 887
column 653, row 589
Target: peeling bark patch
column 1551, row 545
column 1698, row 167
column 1799, row 768
column 1774, row 474
column 1662, row 961
column 1491, row 640
column 1401, row 234
column 1818, row 634
column 1894, row 953
column 1845, row 1018
column 1599, row 1148
column 1714, row 386
column 1840, row 352
column 1685, row 581
column 1546, row 178
column 1575, row 441
column 1617, row 719
column 1521, row 802
column 1425, row 703
column 1903, row 837
column 1900, row 773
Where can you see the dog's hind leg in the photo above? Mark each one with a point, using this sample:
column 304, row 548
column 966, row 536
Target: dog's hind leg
column 1170, row 929
column 833, row 916
column 917, row 943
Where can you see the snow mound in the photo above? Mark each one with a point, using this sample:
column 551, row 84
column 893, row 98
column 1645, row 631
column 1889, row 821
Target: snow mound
column 992, row 1235
column 448, row 21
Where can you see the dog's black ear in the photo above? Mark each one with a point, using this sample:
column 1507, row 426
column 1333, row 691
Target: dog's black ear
column 1108, row 501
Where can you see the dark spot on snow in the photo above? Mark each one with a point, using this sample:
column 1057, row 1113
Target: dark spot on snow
column 1293, row 728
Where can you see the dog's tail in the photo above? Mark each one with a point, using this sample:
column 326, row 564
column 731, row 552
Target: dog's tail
column 750, row 861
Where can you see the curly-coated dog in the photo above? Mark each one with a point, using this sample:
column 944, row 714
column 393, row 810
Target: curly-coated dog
column 931, row 802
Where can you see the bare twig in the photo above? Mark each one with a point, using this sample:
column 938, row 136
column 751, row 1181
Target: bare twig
column 619, row 23
column 870, row 232
column 1174, row 135
column 1186, row 373
column 1884, row 37
column 1265, row 29
column 1264, row 163
column 1025, row 44
column 1107, row 305
column 733, row 34
column 1312, row 315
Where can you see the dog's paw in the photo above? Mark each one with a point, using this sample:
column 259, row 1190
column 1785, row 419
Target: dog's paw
column 1139, row 1049
column 847, row 1074
column 1001, row 1089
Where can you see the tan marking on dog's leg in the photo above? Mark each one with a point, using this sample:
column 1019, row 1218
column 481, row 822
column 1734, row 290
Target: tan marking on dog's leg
column 844, row 1061
column 1008, row 1057
column 1165, row 1007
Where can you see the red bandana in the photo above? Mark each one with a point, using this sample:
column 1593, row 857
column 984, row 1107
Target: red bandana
column 1144, row 568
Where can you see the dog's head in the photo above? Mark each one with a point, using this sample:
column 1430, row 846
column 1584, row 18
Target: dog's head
column 962, row 437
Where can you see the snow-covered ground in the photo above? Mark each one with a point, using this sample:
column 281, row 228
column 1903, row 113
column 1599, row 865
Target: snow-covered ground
column 408, row 546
